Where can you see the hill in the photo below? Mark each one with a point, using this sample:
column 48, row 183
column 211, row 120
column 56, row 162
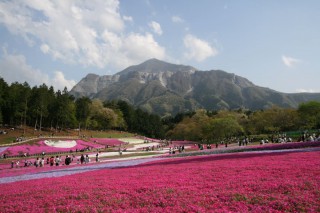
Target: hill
column 165, row 88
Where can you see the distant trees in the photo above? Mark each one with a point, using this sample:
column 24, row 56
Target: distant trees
column 101, row 116
column 215, row 126
column 83, row 111
column 3, row 95
column 207, row 126
column 309, row 115
column 138, row 121
column 272, row 120
column 42, row 107
column 222, row 128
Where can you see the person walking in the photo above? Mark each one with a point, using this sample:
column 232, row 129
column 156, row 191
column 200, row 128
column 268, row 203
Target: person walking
column 82, row 159
column 97, row 157
column 67, row 160
column 57, row 160
column 51, row 161
column 36, row 162
column 87, row 159
column 42, row 162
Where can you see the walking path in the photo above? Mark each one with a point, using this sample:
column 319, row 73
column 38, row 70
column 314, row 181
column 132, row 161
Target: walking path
column 77, row 169
column 124, row 162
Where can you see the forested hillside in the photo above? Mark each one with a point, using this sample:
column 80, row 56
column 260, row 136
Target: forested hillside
column 42, row 107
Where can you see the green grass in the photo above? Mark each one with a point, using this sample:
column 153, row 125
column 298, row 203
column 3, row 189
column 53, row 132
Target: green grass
column 7, row 140
column 130, row 155
column 11, row 136
column 111, row 134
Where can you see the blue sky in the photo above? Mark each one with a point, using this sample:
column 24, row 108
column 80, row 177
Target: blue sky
column 272, row 43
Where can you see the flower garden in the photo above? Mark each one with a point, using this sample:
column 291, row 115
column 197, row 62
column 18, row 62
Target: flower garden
column 237, row 182
column 248, row 179
column 49, row 146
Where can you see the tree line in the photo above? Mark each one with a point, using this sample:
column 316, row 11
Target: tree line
column 214, row 126
column 41, row 107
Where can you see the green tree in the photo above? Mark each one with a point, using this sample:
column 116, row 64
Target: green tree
column 52, row 98
column 222, row 128
column 120, row 122
column 83, row 110
column 309, row 114
column 187, row 129
column 41, row 100
column 16, row 103
column 128, row 114
column 3, row 97
column 101, row 117
column 64, row 110
column 191, row 128
column 272, row 120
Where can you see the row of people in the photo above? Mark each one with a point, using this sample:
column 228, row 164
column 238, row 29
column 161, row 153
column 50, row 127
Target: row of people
column 40, row 162
column 172, row 150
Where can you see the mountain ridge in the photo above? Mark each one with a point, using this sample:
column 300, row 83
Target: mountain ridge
column 164, row 88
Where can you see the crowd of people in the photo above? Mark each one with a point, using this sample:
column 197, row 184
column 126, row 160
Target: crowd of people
column 54, row 161
column 310, row 137
column 84, row 158
column 172, row 150
column 161, row 144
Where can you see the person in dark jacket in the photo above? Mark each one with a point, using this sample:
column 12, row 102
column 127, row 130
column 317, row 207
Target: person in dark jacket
column 82, row 158
column 67, row 161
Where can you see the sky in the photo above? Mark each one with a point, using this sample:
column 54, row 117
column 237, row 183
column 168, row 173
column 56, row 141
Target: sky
column 274, row 43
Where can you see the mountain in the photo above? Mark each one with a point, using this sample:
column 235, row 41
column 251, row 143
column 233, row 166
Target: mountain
column 165, row 88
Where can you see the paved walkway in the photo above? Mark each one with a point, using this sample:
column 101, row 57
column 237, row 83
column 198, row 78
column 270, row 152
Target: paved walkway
column 77, row 169
column 125, row 162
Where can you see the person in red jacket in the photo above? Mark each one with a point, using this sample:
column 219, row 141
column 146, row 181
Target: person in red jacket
column 51, row 161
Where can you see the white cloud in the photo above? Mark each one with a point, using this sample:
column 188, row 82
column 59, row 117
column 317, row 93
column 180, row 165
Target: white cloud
column 14, row 68
column 142, row 47
column 45, row 48
column 306, row 90
column 289, row 61
column 74, row 32
column 156, row 28
column 177, row 19
column 59, row 81
column 198, row 49
column 128, row 18
column 133, row 48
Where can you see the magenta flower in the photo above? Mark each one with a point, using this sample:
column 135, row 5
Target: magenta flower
column 41, row 146
column 236, row 182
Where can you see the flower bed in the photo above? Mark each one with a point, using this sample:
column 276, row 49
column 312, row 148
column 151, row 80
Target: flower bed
column 41, row 146
column 241, row 182
column 269, row 147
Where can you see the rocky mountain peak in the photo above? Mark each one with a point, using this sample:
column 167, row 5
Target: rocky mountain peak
column 164, row 88
column 156, row 66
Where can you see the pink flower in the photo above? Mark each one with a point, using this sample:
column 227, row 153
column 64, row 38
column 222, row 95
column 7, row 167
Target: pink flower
column 238, row 182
